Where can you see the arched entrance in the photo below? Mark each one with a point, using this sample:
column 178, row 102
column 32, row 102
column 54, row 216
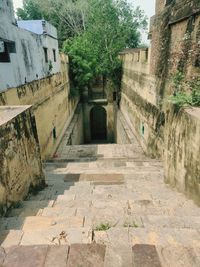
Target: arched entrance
column 98, row 123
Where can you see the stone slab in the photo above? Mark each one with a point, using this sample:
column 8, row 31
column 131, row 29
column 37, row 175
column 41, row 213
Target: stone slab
column 58, row 235
column 38, row 223
column 58, row 211
column 56, row 256
column 89, row 255
column 113, row 237
column 2, row 255
column 179, row 256
column 10, row 238
column 145, row 256
column 29, row 256
column 120, row 256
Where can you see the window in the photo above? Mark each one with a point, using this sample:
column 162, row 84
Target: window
column 11, row 47
column 4, row 52
column 6, row 48
column 54, row 55
column 46, row 54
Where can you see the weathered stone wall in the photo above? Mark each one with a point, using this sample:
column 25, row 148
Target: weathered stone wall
column 124, row 133
column 146, row 121
column 175, row 36
column 20, row 161
column 182, row 151
column 136, row 73
column 74, row 134
column 160, row 5
column 52, row 104
column 175, row 47
column 139, row 101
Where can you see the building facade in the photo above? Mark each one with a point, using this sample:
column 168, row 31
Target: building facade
column 28, row 49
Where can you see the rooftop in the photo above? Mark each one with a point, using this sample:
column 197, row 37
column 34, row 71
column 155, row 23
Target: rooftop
column 38, row 26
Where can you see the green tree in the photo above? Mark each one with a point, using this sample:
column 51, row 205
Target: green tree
column 112, row 25
column 95, row 30
column 30, row 11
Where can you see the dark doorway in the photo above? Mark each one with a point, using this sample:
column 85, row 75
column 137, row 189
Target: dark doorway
column 98, row 124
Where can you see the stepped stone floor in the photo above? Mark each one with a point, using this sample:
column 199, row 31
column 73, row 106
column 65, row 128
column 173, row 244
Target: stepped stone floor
column 105, row 205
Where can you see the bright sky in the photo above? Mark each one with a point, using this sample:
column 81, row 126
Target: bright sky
column 147, row 5
column 17, row 3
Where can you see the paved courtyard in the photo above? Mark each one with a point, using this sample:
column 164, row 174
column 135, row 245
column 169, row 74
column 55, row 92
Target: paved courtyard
column 104, row 205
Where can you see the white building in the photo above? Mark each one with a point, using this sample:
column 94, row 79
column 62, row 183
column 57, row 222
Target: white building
column 28, row 49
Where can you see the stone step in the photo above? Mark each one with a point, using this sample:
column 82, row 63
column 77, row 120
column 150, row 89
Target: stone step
column 145, row 205
column 58, row 235
column 86, row 255
column 29, row 208
column 31, row 223
column 158, row 237
column 54, row 256
column 57, row 211
column 10, row 238
column 55, row 235
column 189, row 222
column 179, row 256
column 99, row 256
column 121, row 217
column 65, row 201
column 143, row 255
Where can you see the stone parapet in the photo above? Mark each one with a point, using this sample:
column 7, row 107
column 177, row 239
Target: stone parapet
column 20, row 161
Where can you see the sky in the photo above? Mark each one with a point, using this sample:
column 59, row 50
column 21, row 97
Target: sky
column 147, row 5
column 17, row 3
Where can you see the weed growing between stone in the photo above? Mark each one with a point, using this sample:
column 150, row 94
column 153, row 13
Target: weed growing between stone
column 103, row 227
column 186, row 93
column 130, row 225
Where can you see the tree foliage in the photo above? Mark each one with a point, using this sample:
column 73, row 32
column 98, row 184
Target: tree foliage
column 186, row 92
column 95, row 32
column 112, row 25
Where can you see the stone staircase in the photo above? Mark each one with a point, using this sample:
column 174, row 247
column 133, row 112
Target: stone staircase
column 105, row 205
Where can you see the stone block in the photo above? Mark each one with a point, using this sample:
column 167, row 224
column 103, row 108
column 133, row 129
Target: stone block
column 179, row 256
column 38, row 223
column 58, row 235
column 145, row 256
column 2, row 256
column 89, row 255
column 120, row 256
column 58, row 211
column 29, row 256
column 10, row 238
column 56, row 256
